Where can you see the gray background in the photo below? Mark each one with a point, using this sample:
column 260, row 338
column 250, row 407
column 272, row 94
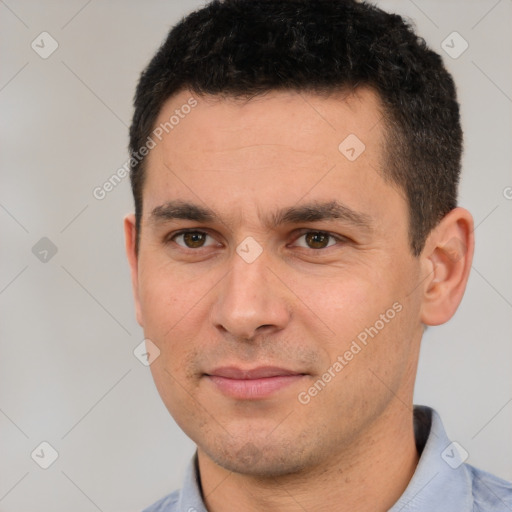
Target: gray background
column 68, row 375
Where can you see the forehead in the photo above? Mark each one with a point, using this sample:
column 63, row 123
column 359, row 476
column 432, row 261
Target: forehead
column 299, row 121
column 275, row 148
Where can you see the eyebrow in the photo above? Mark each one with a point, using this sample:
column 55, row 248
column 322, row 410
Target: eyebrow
column 316, row 211
column 310, row 212
column 182, row 210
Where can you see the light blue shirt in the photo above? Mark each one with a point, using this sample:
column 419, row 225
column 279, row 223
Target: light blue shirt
column 442, row 482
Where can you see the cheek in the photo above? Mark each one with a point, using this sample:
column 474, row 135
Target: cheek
column 176, row 393
column 343, row 302
column 367, row 314
column 167, row 295
column 175, row 308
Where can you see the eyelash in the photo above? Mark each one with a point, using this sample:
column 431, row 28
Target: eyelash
column 338, row 238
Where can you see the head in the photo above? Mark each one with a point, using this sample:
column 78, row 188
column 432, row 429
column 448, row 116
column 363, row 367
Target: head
column 294, row 170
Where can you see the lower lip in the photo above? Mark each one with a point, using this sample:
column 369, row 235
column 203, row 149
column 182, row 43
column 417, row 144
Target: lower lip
column 253, row 389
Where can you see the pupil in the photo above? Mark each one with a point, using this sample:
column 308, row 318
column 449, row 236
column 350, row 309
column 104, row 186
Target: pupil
column 317, row 240
column 194, row 239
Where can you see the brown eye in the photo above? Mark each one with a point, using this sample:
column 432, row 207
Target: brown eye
column 191, row 239
column 317, row 240
column 194, row 239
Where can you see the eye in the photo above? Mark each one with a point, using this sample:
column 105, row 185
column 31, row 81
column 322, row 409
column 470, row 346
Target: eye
column 315, row 240
column 192, row 239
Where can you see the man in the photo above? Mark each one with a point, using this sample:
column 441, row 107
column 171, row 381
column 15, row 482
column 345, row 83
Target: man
column 294, row 168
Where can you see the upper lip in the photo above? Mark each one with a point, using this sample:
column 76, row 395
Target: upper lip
column 232, row 372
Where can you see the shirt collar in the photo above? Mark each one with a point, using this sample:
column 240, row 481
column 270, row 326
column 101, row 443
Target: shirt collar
column 441, row 481
column 190, row 499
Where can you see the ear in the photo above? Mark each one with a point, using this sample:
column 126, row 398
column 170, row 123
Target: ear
column 446, row 263
column 130, row 235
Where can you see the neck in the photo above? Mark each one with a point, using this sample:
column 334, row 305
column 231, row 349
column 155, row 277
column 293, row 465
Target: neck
column 371, row 474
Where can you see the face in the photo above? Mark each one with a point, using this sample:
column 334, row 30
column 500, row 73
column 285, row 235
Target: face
column 275, row 277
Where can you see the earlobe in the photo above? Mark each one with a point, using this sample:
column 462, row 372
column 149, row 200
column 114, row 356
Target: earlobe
column 447, row 258
column 130, row 234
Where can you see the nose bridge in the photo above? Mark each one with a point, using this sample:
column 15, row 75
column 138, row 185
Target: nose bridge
column 255, row 280
column 250, row 297
column 247, row 287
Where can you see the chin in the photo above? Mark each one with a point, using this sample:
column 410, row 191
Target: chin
column 260, row 459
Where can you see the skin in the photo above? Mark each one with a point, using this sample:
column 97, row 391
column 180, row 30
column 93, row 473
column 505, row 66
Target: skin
column 294, row 306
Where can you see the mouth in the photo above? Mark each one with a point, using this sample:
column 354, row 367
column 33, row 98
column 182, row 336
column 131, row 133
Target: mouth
column 252, row 384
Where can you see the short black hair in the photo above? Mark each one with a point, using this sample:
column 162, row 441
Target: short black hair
column 246, row 48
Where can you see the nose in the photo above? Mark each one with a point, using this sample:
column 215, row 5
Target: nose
column 251, row 300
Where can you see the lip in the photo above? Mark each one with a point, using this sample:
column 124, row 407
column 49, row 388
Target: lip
column 252, row 384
